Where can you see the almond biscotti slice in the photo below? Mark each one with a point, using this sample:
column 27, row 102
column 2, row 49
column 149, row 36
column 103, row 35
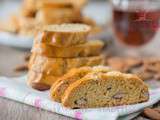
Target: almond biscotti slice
column 59, row 66
column 105, row 90
column 40, row 81
column 91, row 48
column 58, row 88
column 26, row 25
column 64, row 34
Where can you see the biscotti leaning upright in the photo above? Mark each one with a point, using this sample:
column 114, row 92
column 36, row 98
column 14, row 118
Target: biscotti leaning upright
column 60, row 48
column 64, row 34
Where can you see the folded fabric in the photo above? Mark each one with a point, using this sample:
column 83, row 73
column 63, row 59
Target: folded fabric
column 17, row 89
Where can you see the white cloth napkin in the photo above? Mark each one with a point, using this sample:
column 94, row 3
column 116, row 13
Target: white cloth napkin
column 17, row 89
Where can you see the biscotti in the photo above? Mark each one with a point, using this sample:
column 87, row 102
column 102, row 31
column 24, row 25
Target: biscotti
column 57, row 15
column 91, row 48
column 11, row 25
column 40, row 81
column 59, row 66
column 24, row 26
column 35, row 5
column 63, row 35
column 54, row 4
column 29, row 8
column 56, row 12
column 78, row 3
column 59, row 87
column 105, row 90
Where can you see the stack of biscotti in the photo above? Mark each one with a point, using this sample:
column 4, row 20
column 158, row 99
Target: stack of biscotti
column 31, row 7
column 99, row 86
column 59, row 48
column 35, row 13
column 57, row 12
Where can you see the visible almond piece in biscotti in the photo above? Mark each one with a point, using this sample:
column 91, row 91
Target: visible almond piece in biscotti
column 105, row 90
column 60, row 66
column 64, row 34
column 90, row 48
column 40, row 81
column 59, row 87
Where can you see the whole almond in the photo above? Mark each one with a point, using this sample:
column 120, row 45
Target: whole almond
column 152, row 114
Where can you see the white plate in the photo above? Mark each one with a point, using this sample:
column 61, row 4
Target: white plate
column 16, row 40
column 8, row 8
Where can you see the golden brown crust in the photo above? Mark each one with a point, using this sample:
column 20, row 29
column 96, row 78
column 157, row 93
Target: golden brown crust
column 32, row 59
column 26, row 12
column 11, row 26
column 29, row 8
column 57, row 15
column 27, row 25
column 105, row 90
column 63, row 35
column 79, row 4
column 54, row 4
column 40, row 81
column 21, row 25
column 59, row 87
column 62, row 83
column 59, row 66
column 38, row 4
column 91, row 48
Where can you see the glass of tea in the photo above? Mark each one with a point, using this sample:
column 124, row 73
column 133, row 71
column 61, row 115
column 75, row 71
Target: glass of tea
column 135, row 22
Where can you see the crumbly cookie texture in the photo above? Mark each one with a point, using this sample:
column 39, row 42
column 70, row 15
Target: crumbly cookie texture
column 60, row 66
column 64, row 34
column 40, row 81
column 105, row 90
column 59, row 87
column 90, row 48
